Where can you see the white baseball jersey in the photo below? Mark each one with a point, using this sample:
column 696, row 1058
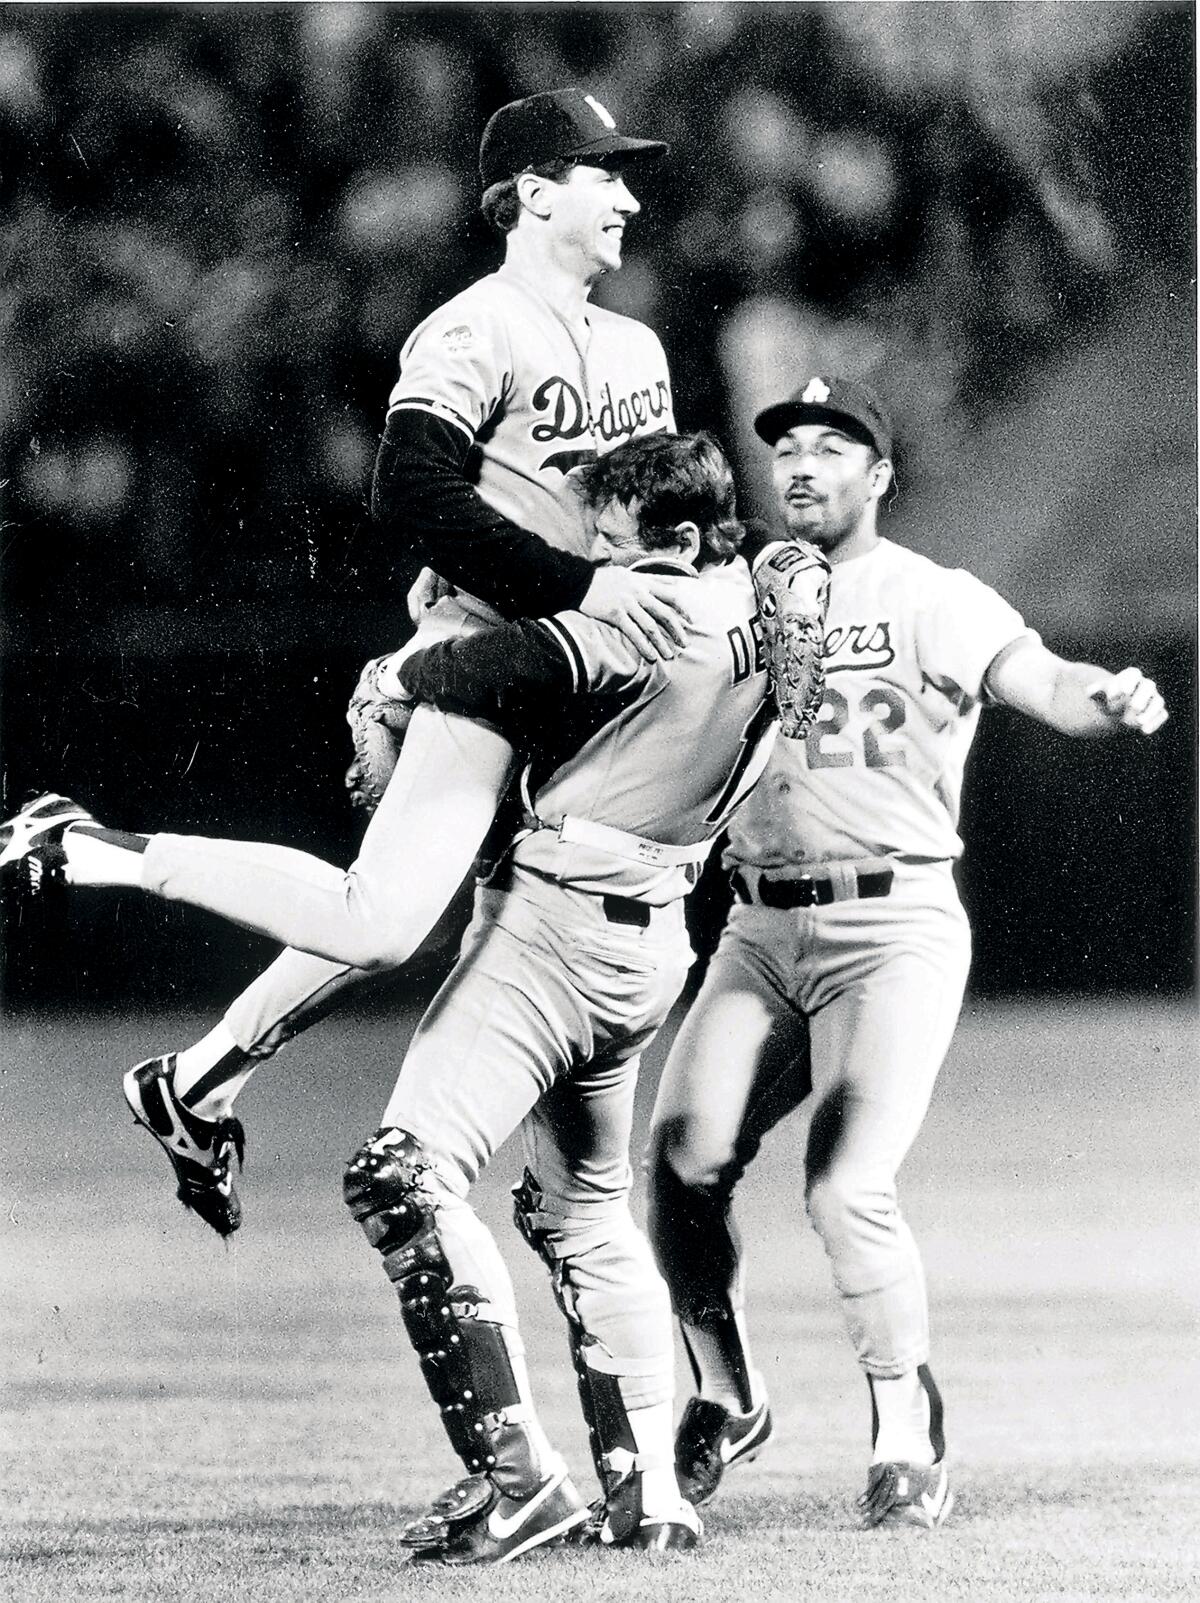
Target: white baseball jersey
column 907, row 645
column 682, row 743
column 660, row 752
column 535, row 393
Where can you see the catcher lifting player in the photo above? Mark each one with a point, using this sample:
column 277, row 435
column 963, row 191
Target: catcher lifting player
column 577, row 951
column 502, row 392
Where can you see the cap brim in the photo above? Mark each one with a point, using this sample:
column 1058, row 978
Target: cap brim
column 613, row 149
column 778, row 419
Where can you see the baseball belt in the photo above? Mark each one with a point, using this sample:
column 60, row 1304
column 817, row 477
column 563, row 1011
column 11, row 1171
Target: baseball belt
column 616, row 909
column 810, row 890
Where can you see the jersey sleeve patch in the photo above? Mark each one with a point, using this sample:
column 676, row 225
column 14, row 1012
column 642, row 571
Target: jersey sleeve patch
column 458, row 337
column 456, row 365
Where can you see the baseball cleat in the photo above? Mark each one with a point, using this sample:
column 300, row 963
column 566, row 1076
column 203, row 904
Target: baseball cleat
column 710, row 1438
column 40, row 823
column 622, row 1522
column 907, row 1494
column 201, row 1150
column 475, row 1522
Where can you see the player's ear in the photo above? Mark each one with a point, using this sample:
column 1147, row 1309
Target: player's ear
column 533, row 193
column 689, row 540
column 881, row 478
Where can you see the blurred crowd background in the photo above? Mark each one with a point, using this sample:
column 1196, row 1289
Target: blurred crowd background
column 219, row 223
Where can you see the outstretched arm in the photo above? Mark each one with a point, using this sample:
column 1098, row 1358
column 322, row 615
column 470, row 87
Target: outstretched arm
column 1076, row 698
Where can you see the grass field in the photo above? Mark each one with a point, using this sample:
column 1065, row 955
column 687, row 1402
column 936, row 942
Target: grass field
column 189, row 1420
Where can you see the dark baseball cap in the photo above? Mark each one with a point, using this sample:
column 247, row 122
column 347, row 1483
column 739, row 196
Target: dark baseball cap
column 826, row 398
column 560, row 124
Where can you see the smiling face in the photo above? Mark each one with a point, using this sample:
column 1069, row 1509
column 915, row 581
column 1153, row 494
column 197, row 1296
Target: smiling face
column 828, row 485
column 588, row 216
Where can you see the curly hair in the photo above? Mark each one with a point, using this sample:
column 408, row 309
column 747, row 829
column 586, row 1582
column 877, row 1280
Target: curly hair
column 671, row 479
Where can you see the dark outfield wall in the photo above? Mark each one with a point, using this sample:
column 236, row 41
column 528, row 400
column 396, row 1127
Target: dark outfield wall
column 1079, row 875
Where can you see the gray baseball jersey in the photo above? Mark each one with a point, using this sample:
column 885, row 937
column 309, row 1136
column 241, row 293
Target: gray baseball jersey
column 907, row 644
column 536, row 393
column 831, row 985
column 621, row 794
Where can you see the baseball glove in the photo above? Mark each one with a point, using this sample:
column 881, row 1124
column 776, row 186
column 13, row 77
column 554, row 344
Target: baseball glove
column 792, row 583
column 377, row 725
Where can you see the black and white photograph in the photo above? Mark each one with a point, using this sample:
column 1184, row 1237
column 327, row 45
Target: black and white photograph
column 598, row 801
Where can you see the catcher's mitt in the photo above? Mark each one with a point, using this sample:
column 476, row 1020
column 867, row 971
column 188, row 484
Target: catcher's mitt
column 792, row 582
column 377, row 724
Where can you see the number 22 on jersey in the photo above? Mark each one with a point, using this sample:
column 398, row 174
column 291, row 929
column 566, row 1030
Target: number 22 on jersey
column 858, row 729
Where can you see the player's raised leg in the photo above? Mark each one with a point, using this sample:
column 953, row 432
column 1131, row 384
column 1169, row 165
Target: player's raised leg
column 737, row 1066
column 185, row 1099
column 416, row 852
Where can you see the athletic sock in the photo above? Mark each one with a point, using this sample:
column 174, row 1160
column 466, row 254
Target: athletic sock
column 719, row 1352
column 209, row 1075
column 902, row 1415
column 654, row 1441
column 96, row 856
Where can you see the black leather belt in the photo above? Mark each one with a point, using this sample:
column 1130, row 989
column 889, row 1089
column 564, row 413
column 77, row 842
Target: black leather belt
column 624, row 910
column 808, row 890
column 617, row 909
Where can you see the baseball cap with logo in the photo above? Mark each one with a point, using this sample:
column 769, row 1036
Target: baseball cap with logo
column 845, row 403
column 564, row 124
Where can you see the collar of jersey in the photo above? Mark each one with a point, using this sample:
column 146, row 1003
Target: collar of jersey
column 669, row 565
column 515, row 275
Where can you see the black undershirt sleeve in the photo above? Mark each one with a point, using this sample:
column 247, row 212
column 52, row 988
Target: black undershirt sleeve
column 422, row 493
column 515, row 676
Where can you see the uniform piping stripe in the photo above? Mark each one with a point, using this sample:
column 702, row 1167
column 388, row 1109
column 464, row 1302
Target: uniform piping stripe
column 570, row 647
column 421, row 403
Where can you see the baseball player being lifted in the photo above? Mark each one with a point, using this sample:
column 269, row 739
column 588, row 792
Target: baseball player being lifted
column 502, row 392
column 841, row 970
column 577, row 950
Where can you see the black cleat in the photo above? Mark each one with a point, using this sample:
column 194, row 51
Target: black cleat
column 39, row 828
column 907, row 1494
column 710, row 1438
column 621, row 1521
column 475, row 1522
column 201, row 1150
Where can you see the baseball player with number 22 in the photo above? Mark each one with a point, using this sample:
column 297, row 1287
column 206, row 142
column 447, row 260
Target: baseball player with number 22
column 841, row 971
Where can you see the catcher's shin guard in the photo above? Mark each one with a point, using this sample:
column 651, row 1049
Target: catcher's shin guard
column 392, row 1189
column 698, row 1250
column 610, row 1435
